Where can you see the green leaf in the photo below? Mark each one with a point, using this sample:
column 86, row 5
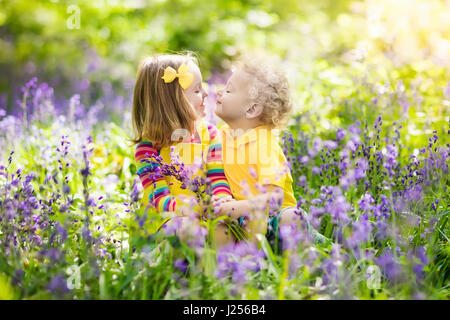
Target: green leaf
column 273, row 267
column 132, row 168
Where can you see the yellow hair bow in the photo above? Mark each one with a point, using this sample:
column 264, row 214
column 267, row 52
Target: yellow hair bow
column 185, row 78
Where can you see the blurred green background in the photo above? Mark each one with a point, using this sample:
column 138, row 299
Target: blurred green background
column 346, row 60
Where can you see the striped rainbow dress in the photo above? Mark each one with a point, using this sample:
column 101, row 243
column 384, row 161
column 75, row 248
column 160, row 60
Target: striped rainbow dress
column 162, row 191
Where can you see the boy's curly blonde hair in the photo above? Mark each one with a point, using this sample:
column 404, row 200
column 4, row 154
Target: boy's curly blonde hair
column 270, row 87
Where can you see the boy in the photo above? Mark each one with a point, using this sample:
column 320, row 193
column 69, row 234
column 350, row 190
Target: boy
column 255, row 101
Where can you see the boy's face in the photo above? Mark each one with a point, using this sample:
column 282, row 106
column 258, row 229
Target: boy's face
column 233, row 101
column 195, row 93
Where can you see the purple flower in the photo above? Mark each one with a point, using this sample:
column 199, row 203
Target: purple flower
column 315, row 215
column 317, row 147
column 362, row 166
column 85, row 172
column 66, row 188
column 384, row 208
column 433, row 205
column 354, row 129
column 347, row 180
column 60, row 229
column 238, row 275
column 58, row 285
column 172, row 227
column 29, row 85
column 378, row 122
column 340, row 135
column 303, row 159
column 135, row 192
column 330, row 144
column 331, row 266
column 366, row 203
column 86, row 233
column 302, row 181
column 405, row 104
column 390, row 159
column 236, row 259
column 389, row 266
column 181, row 265
column 91, row 202
column 338, row 209
column 291, row 236
column 381, row 230
column 419, row 296
column 418, row 270
column 361, row 233
column 422, row 255
column 198, row 236
column 53, row 254
column 18, row 277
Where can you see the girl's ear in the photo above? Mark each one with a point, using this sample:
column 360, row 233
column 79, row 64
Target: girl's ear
column 254, row 111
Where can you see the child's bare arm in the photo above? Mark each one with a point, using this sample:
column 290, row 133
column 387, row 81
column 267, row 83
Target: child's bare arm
column 273, row 199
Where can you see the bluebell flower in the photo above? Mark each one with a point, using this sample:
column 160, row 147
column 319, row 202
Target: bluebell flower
column 58, row 285
column 389, row 266
column 340, row 135
column 181, row 265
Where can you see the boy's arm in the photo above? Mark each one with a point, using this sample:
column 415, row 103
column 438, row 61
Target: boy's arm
column 214, row 165
column 273, row 200
column 156, row 190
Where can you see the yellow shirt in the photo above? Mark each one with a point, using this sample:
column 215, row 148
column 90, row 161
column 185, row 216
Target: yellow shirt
column 253, row 159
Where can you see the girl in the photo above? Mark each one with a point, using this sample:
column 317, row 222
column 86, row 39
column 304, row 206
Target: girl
column 169, row 99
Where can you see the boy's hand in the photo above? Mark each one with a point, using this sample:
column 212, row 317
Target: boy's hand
column 233, row 209
column 224, row 208
column 218, row 201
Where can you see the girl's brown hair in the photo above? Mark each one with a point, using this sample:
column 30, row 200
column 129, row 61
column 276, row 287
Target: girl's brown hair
column 160, row 108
